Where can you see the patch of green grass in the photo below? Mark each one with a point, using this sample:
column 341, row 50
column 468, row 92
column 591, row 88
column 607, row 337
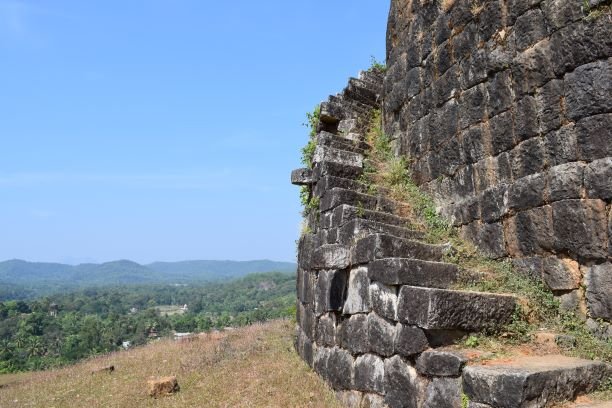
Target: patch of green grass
column 312, row 121
column 376, row 65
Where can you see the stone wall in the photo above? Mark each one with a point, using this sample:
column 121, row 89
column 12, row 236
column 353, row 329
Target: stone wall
column 504, row 110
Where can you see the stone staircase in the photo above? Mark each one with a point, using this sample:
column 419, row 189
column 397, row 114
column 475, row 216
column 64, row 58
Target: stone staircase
column 374, row 299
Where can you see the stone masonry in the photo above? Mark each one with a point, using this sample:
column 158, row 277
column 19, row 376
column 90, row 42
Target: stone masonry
column 504, row 110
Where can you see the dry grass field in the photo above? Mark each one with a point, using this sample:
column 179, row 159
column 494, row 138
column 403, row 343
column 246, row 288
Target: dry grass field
column 253, row 366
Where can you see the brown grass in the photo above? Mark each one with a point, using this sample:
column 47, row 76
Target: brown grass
column 255, row 366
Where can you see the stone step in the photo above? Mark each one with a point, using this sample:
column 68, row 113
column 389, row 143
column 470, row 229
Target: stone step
column 343, row 157
column 443, row 309
column 329, row 168
column 378, row 246
column 357, row 228
column 328, row 182
column 374, row 77
column 302, row 177
column 338, row 196
column 342, row 142
column 339, row 108
column 345, row 213
column 535, row 381
column 361, row 91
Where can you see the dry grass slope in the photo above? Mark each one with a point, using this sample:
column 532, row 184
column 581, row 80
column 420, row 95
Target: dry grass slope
column 254, row 366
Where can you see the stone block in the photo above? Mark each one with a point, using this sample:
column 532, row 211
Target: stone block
column 379, row 246
column 443, row 57
column 373, row 401
column 532, row 381
column 331, row 256
column 369, row 373
column 350, row 399
column 598, row 179
column 578, row 44
column 588, row 89
column 526, row 123
column 383, row 299
column 489, row 19
column 593, row 137
column 338, row 196
column 550, row 105
column 381, row 335
column 527, row 158
column 561, row 146
column 400, row 384
column 443, row 393
column 499, row 93
column 453, row 310
column 307, row 320
column 530, row 232
column 358, row 295
column 561, row 274
column 565, row 181
column 473, row 70
column 464, row 43
column 530, row 267
column 302, row 177
column 500, row 132
column 580, row 228
column 306, row 246
column 326, row 330
column 532, row 68
column 330, row 291
column 341, row 157
column 473, row 146
column 354, row 334
column 340, row 369
column 434, row 363
column 446, row 86
column 560, row 13
column 451, row 157
column 306, row 282
column 494, row 203
column 405, row 271
column 530, row 28
column 488, row 237
column 527, row 192
column 599, row 291
column 472, row 106
column 409, row 340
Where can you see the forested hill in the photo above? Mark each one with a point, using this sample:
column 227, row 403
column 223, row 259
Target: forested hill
column 21, row 279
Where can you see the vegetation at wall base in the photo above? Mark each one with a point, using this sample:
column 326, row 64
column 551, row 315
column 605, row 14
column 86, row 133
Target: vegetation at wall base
column 537, row 310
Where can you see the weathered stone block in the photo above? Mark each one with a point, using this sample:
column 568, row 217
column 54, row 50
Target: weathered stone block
column 499, row 93
column 435, row 363
column 580, row 228
column 326, row 330
column 330, row 291
column 530, row 232
column 405, row 271
column 488, row 237
column 472, row 106
column 561, row 146
column 306, row 246
column 527, row 158
column 464, row 43
column 446, row 86
column 593, row 136
column 598, row 179
column 565, row 181
column 527, row 192
column 501, row 133
column 379, row 246
column 532, row 381
column 302, row 177
column 550, row 105
column 530, row 28
column 489, row 19
column 473, row 70
column 494, row 203
column 532, row 68
column 599, row 291
column 306, row 282
column 526, row 123
column 560, row 13
column 340, row 369
column 588, row 90
column 473, row 146
column 358, row 297
column 381, row 335
column 342, row 157
column 383, row 299
column 448, row 309
column 443, row 393
column 331, row 256
column 354, row 334
column 561, row 274
column 307, row 320
column 369, row 373
column 400, row 384
column 409, row 340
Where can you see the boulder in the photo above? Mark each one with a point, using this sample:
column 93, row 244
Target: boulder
column 159, row 387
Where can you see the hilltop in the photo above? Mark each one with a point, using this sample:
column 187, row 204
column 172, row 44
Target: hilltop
column 254, row 366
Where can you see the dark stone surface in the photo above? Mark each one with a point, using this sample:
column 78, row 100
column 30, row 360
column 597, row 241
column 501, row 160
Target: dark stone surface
column 400, row 384
column 526, row 123
column 338, row 196
column 354, row 334
column 501, row 133
column 532, row 68
column 530, row 28
column 580, row 228
column 499, row 93
column 330, row 288
column 494, row 203
column 358, row 294
column 565, row 181
column 379, row 246
column 593, row 137
column 527, row 158
column 588, row 90
column 448, row 309
column 369, row 373
column 488, row 237
column 529, row 232
column 331, row 256
column 561, row 274
column 527, row 192
column 550, row 105
column 302, row 177
column 599, row 291
column 409, row 340
column 340, row 369
column 598, row 179
column 532, row 381
column 435, row 363
column 405, row 271
column 561, row 146
column 383, row 299
column 443, row 393
column 381, row 335
column 326, row 330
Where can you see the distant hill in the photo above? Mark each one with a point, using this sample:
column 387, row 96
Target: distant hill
column 22, row 279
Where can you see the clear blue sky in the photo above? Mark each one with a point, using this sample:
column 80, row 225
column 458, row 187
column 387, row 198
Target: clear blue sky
column 165, row 130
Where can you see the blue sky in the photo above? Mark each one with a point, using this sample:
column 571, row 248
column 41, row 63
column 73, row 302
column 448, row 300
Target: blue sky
column 165, row 130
